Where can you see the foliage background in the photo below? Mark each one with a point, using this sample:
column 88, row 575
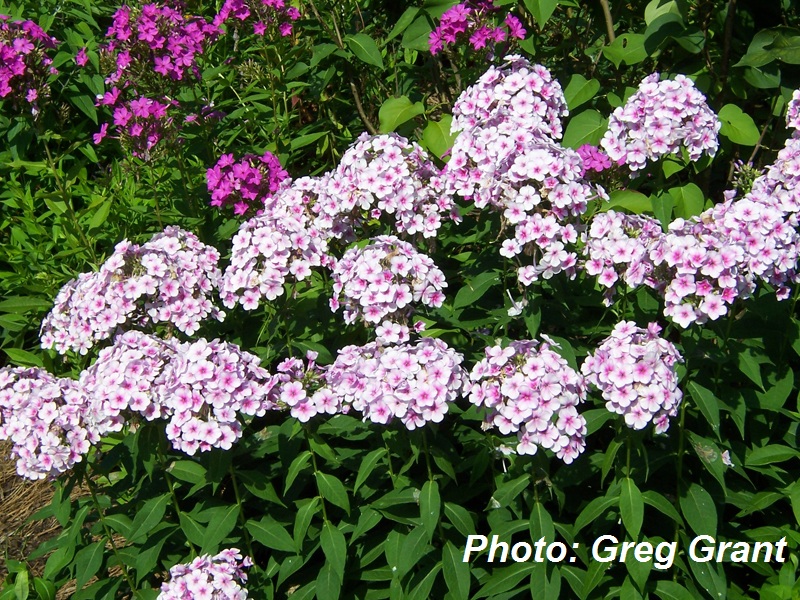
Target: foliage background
column 339, row 507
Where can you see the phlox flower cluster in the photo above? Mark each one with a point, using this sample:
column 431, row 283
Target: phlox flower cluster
column 507, row 158
column 278, row 244
column 301, row 387
column 245, row 184
column 703, row 264
column 634, row 370
column 140, row 123
column 24, row 65
column 263, row 15
column 514, row 91
column 472, row 22
column 378, row 176
column 414, row 383
column 594, row 159
column 793, row 111
column 201, row 387
column 528, row 388
column 661, row 118
column 381, row 280
column 45, row 419
column 157, row 38
column 168, row 279
column 207, row 577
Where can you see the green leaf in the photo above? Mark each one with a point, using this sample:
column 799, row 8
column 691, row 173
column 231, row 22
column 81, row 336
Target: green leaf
column 460, row 518
column 46, row 590
column 365, row 48
column 88, row 561
column 303, row 519
column 699, row 510
column 150, row 515
column 474, row 289
column 403, row 22
column 541, row 10
column 456, row 572
column 627, row 48
column 430, row 506
column 396, row 111
column 422, row 591
column 271, row 534
column 631, row 507
column 580, row 90
column 219, row 527
column 188, row 471
column 541, row 524
column 707, row 403
column 329, row 585
column 22, row 587
column 193, row 531
column 594, row 510
column 301, row 141
column 662, row 209
column 333, row 491
column 749, row 365
column 416, row 36
column 23, row 358
column 334, row 547
column 300, row 462
column 587, row 127
column 670, row 590
column 629, row 201
column 689, row 200
column 737, row 126
column 437, row 137
column 661, row 504
column 23, row 304
column 505, row 579
column 768, row 455
column 508, row 491
column 368, row 464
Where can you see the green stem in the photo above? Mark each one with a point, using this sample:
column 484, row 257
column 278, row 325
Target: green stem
column 316, row 481
column 242, row 520
column 90, row 484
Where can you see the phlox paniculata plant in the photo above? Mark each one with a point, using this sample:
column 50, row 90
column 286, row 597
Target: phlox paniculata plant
column 218, row 577
column 473, row 22
column 661, row 118
column 24, row 64
column 277, row 245
column 169, row 279
column 383, row 280
column 246, row 184
column 529, row 389
column 264, row 17
column 412, row 382
column 382, row 177
column 47, row 419
column 201, row 388
column 635, row 371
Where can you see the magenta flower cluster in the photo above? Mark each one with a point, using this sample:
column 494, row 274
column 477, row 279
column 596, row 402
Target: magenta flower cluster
column 473, row 22
column 507, row 157
column 263, row 15
column 24, row 65
column 168, row 279
column 202, row 388
column 207, row 577
column 46, row 420
column 245, row 184
column 140, row 123
column 528, row 388
column 278, row 244
column 378, row 176
column 381, row 280
column 594, row 159
column 635, row 371
column 157, row 37
column 661, row 118
column 414, row 383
